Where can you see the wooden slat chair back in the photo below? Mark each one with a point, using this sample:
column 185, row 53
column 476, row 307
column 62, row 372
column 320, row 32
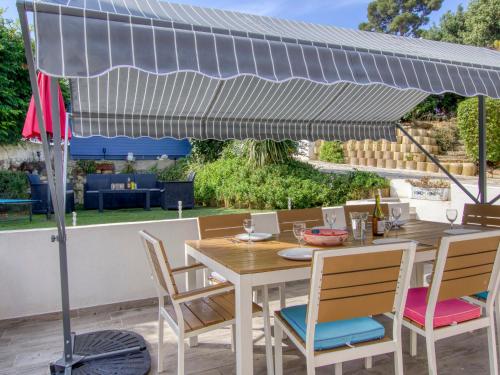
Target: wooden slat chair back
column 359, row 285
column 465, row 266
column 486, row 215
column 352, row 283
column 363, row 208
column 312, row 217
column 159, row 264
column 221, row 225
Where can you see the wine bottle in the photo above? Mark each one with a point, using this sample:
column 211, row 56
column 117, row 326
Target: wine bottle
column 378, row 218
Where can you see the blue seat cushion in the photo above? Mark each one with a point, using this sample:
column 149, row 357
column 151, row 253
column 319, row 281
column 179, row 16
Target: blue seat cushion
column 482, row 295
column 330, row 335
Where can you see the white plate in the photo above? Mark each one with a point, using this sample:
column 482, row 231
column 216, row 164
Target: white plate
column 461, row 231
column 336, row 227
column 255, row 237
column 297, row 253
column 381, row 241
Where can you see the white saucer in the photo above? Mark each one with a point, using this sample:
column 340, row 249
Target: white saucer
column 461, row 231
column 297, row 253
column 255, row 237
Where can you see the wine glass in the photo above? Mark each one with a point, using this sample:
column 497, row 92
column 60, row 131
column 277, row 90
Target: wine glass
column 389, row 224
column 249, row 226
column 396, row 214
column 451, row 215
column 330, row 219
column 298, row 231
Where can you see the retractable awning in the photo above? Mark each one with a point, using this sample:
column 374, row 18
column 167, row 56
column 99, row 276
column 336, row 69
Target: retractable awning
column 152, row 68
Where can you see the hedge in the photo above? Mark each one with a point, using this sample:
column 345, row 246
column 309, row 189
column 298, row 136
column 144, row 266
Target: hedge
column 332, row 152
column 233, row 182
column 13, row 185
column 467, row 115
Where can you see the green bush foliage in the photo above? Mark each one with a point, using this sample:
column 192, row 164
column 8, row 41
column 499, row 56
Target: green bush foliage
column 86, row 166
column 332, row 152
column 234, row 182
column 176, row 172
column 13, row 185
column 446, row 137
column 208, row 150
column 266, row 152
column 467, row 116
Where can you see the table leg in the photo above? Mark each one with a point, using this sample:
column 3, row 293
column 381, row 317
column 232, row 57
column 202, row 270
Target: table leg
column 30, row 208
column 190, row 285
column 101, row 202
column 148, row 201
column 244, row 340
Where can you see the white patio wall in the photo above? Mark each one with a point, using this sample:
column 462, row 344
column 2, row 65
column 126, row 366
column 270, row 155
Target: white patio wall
column 106, row 264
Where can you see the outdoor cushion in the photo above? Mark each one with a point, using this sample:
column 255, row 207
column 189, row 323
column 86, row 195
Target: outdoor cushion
column 145, row 181
column 330, row 335
column 482, row 295
column 447, row 312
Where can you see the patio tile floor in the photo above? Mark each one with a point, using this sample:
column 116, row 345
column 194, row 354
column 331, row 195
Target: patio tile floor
column 26, row 348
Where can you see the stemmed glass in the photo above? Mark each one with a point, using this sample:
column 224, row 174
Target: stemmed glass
column 330, row 219
column 249, row 226
column 396, row 214
column 451, row 215
column 389, row 224
column 298, row 231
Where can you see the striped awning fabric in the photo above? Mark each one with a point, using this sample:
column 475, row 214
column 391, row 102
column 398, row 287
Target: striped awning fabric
column 152, row 68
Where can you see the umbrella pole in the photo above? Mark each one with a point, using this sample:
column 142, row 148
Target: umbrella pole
column 68, row 359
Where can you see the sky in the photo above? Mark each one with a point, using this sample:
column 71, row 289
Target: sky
column 342, row 13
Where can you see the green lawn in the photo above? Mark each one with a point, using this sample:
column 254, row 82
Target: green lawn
column 89, row 217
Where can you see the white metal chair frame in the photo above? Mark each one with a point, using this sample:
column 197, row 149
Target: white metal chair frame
column 486, row 321
column 363, row 350
column 176, row 323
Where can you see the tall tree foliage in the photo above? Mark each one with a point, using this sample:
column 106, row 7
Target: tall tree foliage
column 399, row 17
column 15, row 89
column 479, row 25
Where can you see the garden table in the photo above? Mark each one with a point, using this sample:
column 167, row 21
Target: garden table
column 251, row 265
column 145, row 192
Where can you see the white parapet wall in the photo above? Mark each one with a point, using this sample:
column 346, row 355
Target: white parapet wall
column 436, row 210
column 107, row 263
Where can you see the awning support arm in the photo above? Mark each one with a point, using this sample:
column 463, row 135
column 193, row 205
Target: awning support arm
column 482, row 181
column 435, row 161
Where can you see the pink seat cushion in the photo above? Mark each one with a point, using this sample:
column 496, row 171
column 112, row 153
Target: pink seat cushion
column 447, row 312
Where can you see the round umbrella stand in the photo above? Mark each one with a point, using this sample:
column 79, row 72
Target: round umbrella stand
column 107, row 352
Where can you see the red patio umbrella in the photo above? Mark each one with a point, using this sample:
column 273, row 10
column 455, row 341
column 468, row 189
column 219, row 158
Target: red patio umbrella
column 31, row 127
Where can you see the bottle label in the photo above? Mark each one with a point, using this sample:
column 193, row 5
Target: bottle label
column 380, row 226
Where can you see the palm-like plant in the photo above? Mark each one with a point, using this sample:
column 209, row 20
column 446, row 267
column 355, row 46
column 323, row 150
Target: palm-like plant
column 269, row 152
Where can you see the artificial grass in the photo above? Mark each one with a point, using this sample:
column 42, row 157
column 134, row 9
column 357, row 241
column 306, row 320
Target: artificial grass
column 90, row 217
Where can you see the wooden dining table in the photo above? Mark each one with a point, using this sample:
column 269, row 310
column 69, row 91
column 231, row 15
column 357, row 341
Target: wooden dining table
column 257, row 264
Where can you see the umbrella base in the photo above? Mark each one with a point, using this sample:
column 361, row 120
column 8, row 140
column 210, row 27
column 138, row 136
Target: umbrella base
column 106, row 352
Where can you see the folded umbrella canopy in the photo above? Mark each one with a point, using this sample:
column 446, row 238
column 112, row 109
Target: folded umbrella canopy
column 31, row 127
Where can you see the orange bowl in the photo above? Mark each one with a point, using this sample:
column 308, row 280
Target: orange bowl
column 325, row 237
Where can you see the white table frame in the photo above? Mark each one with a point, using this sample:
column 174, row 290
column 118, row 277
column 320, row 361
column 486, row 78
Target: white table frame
column 243, row 285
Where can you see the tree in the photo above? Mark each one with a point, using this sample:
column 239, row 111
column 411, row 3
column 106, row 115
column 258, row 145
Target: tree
column 15, row 91
column 399, row 17
column 479, row 25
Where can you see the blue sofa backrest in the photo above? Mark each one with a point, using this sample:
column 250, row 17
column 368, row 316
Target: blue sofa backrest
column 33, row 178
column 98, row 181
column 120, row 178
column 145, row 181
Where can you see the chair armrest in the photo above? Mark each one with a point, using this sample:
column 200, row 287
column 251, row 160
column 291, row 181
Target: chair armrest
column 203, row 292
column 193, row 267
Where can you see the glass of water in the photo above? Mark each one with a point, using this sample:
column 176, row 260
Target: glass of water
column 299, row 229
column 451, row 215
column 249, row 226
column 358, row 225
column 330, row 219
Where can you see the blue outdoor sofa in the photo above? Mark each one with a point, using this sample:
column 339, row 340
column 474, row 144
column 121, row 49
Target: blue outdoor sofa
column 41, row 194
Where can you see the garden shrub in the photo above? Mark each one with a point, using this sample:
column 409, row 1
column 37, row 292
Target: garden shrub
column 176, row 172
column 332, row 152
column 468, row 126
column 86, row 166
column 234, row 182
column 446, row 137
column 13, row 185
